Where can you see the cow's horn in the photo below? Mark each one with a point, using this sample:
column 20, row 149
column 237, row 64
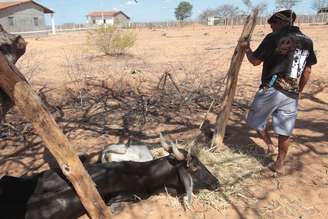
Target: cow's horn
column 189, row 157
column 177, row 154
column 164, row 144
column 192, row 145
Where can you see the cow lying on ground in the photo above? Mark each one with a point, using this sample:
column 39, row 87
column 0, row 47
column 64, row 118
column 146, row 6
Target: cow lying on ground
column 50, row 195
column 126, row 152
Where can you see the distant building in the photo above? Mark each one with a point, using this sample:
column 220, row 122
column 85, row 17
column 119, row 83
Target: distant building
column 215, row 20
column 24, row 16
column 108, row 17
column 323, row 10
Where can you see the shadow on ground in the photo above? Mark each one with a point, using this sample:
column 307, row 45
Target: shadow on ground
column 123, row 114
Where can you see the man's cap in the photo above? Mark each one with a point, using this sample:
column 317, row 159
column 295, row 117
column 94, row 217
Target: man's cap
column 283, row 15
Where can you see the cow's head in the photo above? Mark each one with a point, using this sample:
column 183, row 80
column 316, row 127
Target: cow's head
column 192, row 172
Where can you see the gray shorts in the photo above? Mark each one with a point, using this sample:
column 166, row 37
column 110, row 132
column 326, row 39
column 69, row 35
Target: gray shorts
column 272, row 102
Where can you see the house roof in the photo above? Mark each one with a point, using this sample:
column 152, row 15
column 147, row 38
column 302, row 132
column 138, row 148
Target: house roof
column 106, row 14
column 323, row 9
column 13, row 3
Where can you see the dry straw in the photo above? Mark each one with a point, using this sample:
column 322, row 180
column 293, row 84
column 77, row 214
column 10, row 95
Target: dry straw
column 236, row 170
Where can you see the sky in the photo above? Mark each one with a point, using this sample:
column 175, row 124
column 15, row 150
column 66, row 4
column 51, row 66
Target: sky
column 74, row 11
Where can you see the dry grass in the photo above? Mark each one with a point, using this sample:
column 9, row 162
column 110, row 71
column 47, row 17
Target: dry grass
column 238, row 169
column 29, row 64
column 234, row 168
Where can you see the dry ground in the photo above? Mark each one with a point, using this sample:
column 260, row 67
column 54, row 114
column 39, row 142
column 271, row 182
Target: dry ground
column 198, row 58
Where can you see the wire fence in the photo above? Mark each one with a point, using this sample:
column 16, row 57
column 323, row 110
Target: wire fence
column 228, row 21
column 164, row 24
column 240, row 20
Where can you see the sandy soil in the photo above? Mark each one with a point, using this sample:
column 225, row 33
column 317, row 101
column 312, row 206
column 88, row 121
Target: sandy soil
column 199, row 54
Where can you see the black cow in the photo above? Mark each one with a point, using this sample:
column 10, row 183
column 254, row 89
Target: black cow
column 50, row 195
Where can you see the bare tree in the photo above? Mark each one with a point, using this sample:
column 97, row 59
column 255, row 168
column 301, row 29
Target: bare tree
column 227, row 10
column 262, row 6
column 224, row 11
column 287, row 4
column 205, row 14
column 248, row 4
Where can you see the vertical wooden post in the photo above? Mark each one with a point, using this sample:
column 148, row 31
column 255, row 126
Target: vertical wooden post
column 13, row 83
column 237, row 58
column 53, row 26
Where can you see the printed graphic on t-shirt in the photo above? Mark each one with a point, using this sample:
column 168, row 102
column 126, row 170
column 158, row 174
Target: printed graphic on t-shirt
column 285, row 54
column 299, row 62
column 285, row 45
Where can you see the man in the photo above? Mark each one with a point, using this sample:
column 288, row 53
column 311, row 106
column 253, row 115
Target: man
column 287, row 56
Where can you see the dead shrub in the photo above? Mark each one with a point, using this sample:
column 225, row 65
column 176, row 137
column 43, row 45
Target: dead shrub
column 78, row 71
column 111, row 40
column 29, row 65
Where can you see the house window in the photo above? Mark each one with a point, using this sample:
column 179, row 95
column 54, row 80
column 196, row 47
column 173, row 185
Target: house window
column 94, row 21
column 11, row 21
column 36, row 21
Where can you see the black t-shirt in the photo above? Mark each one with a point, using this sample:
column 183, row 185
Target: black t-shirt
column 285, row 54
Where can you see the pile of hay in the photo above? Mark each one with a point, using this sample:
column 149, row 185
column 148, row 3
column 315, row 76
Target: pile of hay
column 233, row 167
column 236, row 168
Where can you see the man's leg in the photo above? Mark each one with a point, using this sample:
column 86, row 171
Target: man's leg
column 264, row 135
column 282, row 153
column 262, row 107
column 283, row 123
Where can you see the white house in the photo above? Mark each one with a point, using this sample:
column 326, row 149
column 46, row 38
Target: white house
column 108, row 17
column 215, row 20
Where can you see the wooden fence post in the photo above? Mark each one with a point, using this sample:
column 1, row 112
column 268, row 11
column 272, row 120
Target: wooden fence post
column 231, row 84
column 14, row 84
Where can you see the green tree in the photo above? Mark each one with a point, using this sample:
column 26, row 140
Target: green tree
column 183, row 11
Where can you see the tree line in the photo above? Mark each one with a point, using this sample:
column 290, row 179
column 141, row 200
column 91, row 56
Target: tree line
column 184, row 9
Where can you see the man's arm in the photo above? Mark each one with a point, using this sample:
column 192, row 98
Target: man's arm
column 251, row 58
column 249, row 53
column 304, row 78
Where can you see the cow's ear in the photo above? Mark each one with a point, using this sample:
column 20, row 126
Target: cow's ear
column 186, row 179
